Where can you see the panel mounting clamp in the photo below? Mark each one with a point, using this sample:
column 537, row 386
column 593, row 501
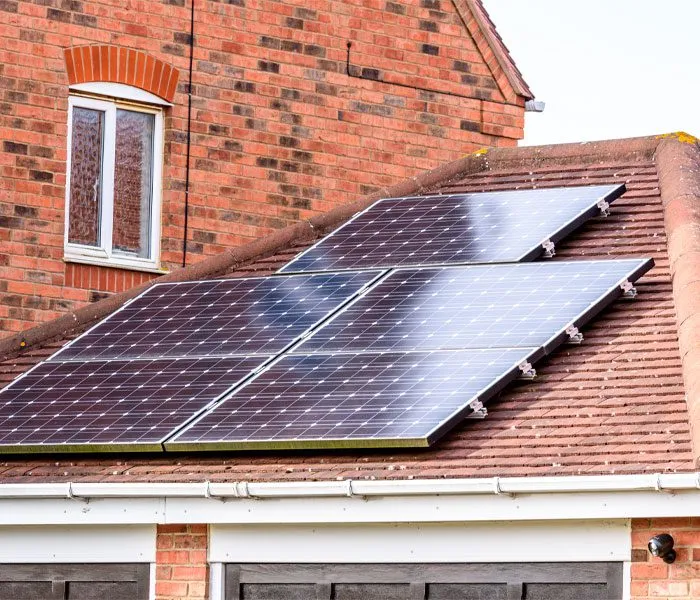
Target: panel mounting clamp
column 575, row 336
column 628, row 289
column 548, row 246
column 604, row 207
column 479, row 411
column 527, row 371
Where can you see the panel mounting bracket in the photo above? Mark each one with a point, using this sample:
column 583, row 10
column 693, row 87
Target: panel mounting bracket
column 575, row 336
column 628, row 289
column 548, row 246
column 527, row 371
column 479, row 411
column 604, row 207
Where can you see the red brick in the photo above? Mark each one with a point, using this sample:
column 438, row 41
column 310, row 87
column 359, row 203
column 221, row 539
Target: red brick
column 370, row 134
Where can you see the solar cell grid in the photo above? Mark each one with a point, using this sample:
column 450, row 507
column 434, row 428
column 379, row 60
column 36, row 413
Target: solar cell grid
column 496, row 306
column 112, row 404
column 357, row 399
column 461, row 228
column 217, row 318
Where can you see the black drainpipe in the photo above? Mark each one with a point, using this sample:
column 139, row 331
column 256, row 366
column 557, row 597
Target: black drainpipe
column 189, row 135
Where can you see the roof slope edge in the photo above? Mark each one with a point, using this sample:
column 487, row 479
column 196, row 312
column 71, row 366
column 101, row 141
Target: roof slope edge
column 678, row 166
column 500, row 51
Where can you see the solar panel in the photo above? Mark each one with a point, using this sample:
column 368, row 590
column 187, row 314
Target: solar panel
column 491, row 306
column 111, row 405
column 485, row 227
column 353, row 400
column 221, row 317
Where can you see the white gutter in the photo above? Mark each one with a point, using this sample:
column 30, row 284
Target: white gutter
column 353, row 501
column 660, row 482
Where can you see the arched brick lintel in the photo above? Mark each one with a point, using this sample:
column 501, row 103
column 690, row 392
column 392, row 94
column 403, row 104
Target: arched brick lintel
column 121, row 65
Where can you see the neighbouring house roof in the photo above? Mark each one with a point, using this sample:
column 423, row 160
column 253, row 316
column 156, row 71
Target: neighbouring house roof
column 626, row 401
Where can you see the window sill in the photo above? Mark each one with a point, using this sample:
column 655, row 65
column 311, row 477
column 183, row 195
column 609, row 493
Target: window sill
column 114, row 263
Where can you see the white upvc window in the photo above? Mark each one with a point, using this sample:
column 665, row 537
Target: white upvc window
column 113, row 183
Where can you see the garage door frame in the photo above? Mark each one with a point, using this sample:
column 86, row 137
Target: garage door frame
column 515, row 576
column 62, row 575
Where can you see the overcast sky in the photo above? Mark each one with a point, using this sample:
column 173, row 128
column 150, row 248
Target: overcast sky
column 605, row 68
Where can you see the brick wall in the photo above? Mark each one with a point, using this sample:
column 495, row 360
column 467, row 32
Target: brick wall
column 279, row 131
column 654, row 579
column 181, row 562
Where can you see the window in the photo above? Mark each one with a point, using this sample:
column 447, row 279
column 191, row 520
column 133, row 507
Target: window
column 113, row 183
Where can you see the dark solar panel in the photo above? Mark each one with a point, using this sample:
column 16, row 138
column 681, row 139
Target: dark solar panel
column 221, row 317
column 460, row 228
column 495, row 306
column 111, row 405
column 353, row 400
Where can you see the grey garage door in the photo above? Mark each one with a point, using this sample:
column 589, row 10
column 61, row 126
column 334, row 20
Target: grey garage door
column 74, row 582
column 507, row 581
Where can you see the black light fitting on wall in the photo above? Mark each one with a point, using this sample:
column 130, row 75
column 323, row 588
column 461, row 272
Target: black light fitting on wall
column 662, row 546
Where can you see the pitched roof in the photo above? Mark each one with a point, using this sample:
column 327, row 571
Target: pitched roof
column 616, row 404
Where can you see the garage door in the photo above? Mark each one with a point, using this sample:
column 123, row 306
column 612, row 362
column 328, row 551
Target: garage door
column 74, row 582
column 506, row 581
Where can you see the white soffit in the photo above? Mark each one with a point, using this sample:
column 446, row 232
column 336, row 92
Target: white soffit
column 118, row 91
column 504, row 541
column 78, row 544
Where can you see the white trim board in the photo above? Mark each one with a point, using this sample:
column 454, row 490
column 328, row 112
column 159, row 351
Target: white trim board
column 78, row 544
column 541, row 541
column 411, row 501
column 118, row 91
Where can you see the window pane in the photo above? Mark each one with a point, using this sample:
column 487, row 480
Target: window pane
column 133, row 183
column 86, row 177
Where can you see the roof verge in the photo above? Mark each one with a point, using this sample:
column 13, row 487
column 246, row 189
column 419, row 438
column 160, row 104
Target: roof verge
column 678, row 165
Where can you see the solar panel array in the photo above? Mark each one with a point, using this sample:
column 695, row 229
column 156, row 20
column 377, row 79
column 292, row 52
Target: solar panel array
column 369, row 346
column 138, row 376
column 352, row 400
column 112, row 405
column 221, row 317
column 487, row 227
column 495, row 306
column 407, row 360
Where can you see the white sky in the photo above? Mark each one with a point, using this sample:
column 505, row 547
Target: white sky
column 605, row 68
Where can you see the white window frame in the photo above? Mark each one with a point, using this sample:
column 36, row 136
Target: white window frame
column 104, row 254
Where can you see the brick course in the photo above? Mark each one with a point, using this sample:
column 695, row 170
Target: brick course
column 181, row 562
column 279, row 131
column 653, row 579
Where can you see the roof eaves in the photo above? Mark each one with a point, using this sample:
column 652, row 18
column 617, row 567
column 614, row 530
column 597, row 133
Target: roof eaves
column 678, row 165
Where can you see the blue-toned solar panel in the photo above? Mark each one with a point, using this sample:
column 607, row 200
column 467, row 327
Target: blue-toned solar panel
column 488, row 227
column 494, row 306
column 220, row 317
column 111, row 405
column 353, row 400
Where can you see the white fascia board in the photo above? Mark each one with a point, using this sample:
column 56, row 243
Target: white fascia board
column 437, row 509
column 78, row 544
column 358, row 509
column 505, row 541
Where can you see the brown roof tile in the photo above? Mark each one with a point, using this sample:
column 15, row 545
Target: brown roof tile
column 615, row 404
